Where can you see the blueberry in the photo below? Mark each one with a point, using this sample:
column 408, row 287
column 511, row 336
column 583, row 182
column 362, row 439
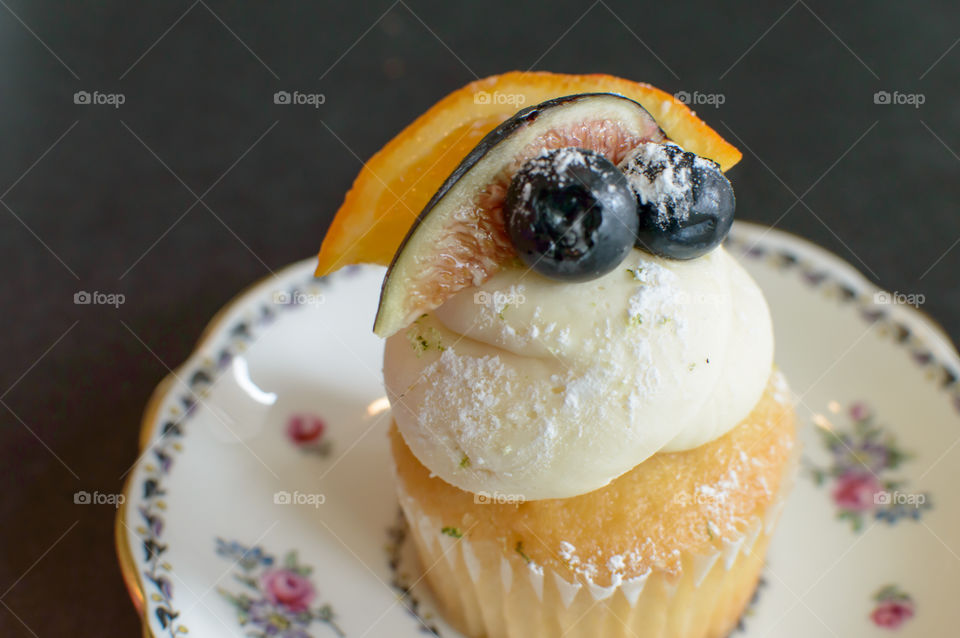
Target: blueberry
column 571, row 214
column 685, row 203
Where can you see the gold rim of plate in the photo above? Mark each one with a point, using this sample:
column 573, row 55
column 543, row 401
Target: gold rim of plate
column 128, row 568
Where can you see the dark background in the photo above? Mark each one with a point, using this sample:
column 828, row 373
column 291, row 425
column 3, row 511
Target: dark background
column 98, row 198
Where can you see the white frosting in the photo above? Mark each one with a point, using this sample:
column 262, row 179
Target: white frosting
column 525, row 387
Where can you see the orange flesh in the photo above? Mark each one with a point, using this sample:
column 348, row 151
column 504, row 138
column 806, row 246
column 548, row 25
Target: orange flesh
column 406, row 194
column 477, row 246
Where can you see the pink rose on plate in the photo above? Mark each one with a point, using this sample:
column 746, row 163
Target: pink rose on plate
column 305, row 428
column 287, row 588
column 856, row 491
column 892, row 613
column 859, row 411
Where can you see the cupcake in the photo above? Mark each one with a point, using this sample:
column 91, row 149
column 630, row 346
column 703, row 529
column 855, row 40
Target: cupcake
column 590, row 435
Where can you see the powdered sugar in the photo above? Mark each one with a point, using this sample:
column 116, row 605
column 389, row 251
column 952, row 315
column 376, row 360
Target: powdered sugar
column 564, row 158
column 658, row 300
column 587, row 570
column 495, row 312
column 562, row 167
column 487, row 377
column 493, row 428
column 663, row 177
column 782, row 393
column 616, row 564
column 568, row 553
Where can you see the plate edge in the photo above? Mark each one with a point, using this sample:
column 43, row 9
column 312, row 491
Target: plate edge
column 122, row 546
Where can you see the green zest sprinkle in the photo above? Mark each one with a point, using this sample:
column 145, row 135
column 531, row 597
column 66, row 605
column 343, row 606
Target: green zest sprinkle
column 465, row 461
column 452, row 531
column 421, row 343
column 691, row 366
column 712, row 530
column 519, row 549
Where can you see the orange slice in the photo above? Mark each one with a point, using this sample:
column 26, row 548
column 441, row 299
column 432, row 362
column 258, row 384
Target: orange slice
column 397, row 182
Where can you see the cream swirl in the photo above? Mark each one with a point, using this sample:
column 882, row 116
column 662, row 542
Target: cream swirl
column 530, row 387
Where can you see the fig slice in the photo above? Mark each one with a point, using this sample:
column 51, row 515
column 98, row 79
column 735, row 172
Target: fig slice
column 459, row 239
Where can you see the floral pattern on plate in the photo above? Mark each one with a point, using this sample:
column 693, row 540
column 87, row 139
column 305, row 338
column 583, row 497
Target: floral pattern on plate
column 150, row 530
column 273, row 599
column 861, row 461
column 308, row 433
column 893, row 607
